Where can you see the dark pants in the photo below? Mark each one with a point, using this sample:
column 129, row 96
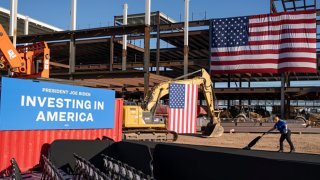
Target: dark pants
column 288, row 138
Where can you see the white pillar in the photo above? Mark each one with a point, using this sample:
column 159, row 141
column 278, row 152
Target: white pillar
column 125, row 21
column 15, row 30
column 72, row 49
column 73, row 23
column 147, row 15
column 124, row 38
column 186, row 22
column 12, row 18
column 26, row 25
column 186, row 36
column 13, row 21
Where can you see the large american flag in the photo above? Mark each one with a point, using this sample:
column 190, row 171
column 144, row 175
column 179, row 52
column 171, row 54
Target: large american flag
column 269, row 43
column 183, row 100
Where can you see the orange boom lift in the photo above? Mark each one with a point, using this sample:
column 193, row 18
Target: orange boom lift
column 28, row 61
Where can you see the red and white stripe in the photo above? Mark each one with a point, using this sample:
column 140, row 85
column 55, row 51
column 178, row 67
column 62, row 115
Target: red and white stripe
column 183, row 121
column 278, row 42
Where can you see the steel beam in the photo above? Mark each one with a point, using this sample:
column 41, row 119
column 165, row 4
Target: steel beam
column 131, row 65
column 294, row 5
column 100, row 74
column 273, row 8
column 83, row 33
column 284, row 5
column 180, row 25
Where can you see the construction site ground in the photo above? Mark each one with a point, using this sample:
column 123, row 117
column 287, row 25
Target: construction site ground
column 304, row 143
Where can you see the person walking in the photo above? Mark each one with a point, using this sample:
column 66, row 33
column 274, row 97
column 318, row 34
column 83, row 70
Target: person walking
column 282, row 127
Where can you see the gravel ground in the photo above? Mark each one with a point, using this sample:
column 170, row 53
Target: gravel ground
column 304, row 143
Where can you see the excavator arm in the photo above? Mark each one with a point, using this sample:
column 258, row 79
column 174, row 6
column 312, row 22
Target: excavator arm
column 162, row 89
column 28, row 61
column 10, row 54
column 213, row 129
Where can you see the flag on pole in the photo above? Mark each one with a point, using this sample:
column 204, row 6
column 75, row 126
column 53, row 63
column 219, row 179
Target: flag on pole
column 183, row 101
column 268, row 43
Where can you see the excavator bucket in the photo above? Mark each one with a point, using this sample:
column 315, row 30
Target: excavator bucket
column 213, row 130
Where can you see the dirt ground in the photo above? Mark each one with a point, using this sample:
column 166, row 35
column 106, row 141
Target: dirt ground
column 304, row 143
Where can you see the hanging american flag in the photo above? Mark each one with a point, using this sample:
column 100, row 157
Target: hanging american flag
column 269, row 43
column 183, row 100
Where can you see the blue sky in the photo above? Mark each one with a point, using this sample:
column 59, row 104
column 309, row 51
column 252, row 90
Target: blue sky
column 97, row 13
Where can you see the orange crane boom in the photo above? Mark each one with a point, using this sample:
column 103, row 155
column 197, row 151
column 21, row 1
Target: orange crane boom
column 29, row 61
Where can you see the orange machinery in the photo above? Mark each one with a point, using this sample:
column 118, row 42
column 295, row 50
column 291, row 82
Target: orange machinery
column 28, row 61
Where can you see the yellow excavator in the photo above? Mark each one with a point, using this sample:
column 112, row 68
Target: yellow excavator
column 141, row 122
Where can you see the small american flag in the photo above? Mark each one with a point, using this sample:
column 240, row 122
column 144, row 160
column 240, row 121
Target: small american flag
column 183, row 100
column 269, row 43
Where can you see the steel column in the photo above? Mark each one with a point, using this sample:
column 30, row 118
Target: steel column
column 72, row 55
column 287, row 105
column 158, row 43
column 26, row 25
column 111, row 52
column 112, row 47
column 282, row 95
column 72, row 49
column 146, row 59
column 186, row 34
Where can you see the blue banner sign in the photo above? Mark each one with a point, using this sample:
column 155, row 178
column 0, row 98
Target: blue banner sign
column 39, row 105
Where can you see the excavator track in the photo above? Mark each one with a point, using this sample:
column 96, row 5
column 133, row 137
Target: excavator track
column 150, row 135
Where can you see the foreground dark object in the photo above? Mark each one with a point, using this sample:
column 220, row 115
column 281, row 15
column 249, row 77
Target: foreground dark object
column 153, row 160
